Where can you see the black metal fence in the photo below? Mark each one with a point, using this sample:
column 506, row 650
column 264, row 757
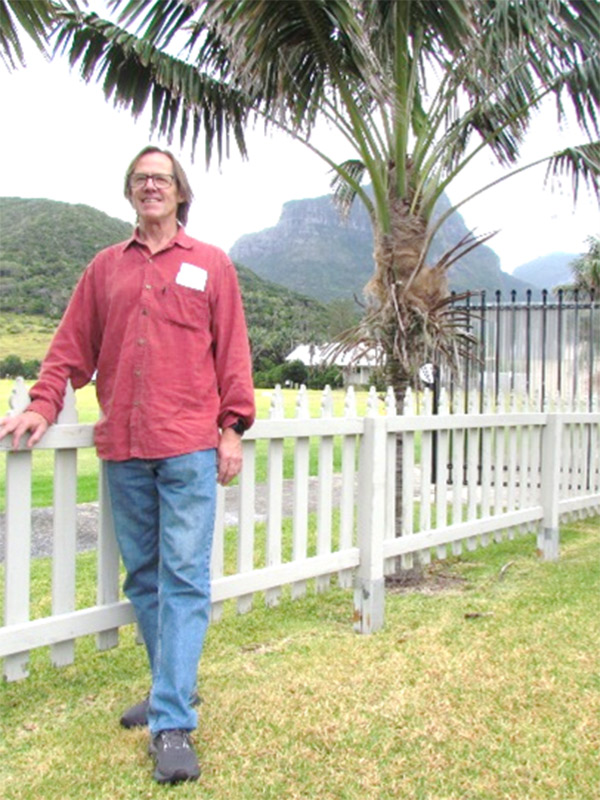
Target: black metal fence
column 548, row 350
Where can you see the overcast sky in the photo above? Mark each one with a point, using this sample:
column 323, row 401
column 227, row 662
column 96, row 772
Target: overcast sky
column 62, row 141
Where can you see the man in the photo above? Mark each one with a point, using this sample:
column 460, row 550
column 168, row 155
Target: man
column 160, row 318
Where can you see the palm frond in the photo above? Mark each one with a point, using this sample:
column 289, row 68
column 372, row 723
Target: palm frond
column 34, row 19
column 463, row 247
column 581, row 164
column 162, row 19
column 133, row 72
column 345, row 184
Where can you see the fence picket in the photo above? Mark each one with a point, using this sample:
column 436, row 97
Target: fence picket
column 64, row 533
column 246, row 511
column 523, row 493
column 408, row 473
column 426, row 484
column 372, row 403
column 217, row 558
column 511, row 480
column 458, row 454
column 441, row 471
column 108, row 561
column 325, row 489
column 390, row 478
column 472, row 450
column 300, row 492
column 500, row 443
column 535, row 451
column 345, row 577
column 274, row 497
column 486, row 468
column 580, row 452
column 17, row 554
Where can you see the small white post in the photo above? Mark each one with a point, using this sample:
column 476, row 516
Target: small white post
column 369, row 590
column 549, row 535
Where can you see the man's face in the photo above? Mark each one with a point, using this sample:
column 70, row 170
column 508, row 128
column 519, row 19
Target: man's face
column 154, row 204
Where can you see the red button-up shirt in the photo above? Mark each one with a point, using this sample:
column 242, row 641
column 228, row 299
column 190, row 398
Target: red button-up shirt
column 167, row 336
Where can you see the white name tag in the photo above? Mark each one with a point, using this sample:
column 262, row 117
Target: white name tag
column 192, row 276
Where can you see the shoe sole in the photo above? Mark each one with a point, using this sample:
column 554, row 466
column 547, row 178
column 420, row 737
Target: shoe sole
column 130, row 725
column 179, row 776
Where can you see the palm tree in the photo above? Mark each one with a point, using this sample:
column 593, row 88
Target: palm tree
column 418, row 88
column 34, row 19
column 586, row 271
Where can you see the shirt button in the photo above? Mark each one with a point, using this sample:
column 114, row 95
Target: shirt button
column 144, row 312
column 147, row 286
column 137, row 373
column 141, row 341
column 136, row 403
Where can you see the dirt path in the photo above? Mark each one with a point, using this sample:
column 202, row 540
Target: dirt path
column 87, row 517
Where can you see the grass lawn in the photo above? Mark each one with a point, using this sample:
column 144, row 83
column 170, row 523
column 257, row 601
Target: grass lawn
column 485, row 690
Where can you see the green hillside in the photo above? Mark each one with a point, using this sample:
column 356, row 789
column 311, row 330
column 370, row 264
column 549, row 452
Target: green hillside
column 44, row 245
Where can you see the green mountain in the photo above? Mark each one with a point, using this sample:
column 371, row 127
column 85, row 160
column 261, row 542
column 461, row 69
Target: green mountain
column 44, row 246
column 312, row 250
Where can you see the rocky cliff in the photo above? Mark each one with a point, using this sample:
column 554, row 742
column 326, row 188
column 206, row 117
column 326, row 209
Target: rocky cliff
column 313, row 251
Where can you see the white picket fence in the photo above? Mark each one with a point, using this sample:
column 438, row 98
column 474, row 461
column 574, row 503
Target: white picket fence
column 512, row 469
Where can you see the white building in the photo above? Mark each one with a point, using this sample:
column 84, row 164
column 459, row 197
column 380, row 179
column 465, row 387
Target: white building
column 357, row 365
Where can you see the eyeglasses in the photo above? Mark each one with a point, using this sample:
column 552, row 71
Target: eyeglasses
column 139, row 179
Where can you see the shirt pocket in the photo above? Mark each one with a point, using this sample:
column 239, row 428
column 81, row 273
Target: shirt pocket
column 187, row 308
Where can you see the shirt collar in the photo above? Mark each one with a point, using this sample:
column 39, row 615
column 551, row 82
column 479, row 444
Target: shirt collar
column 181, row 239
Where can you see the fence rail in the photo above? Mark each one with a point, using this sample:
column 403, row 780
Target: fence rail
column 492, row 473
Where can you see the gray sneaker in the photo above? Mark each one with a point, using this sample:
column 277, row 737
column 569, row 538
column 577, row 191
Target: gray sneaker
column 175, row 759
column 137, row 716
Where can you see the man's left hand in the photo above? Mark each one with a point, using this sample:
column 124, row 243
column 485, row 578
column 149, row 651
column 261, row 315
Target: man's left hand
column 229, row 456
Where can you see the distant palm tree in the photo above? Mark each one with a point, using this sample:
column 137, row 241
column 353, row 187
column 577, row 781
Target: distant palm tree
column 586, row 271
column 416, row 87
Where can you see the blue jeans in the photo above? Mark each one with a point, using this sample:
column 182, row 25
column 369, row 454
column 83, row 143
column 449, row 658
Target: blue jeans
column 163, row 513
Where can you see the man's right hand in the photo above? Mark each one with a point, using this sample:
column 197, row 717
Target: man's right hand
column 27, row 421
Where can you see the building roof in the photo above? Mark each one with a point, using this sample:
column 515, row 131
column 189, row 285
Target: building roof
column 314, row 355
